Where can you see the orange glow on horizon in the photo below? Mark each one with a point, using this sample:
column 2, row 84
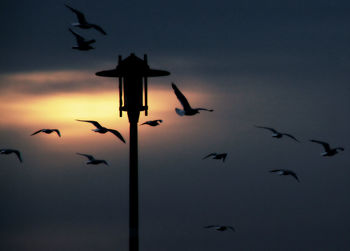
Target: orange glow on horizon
column 29, row 111
column 64, row 109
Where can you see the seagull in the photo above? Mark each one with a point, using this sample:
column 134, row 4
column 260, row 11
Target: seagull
column 83, row 45
column 103, row 130
column 188, row 110
column 82, row 23
column 328, row 150
column 217, row 156
column 277, row 134
column 48, row 131
column 92, row 160
column 9, row 151
column 221, row 228
column 285, row 172
column 153, row 122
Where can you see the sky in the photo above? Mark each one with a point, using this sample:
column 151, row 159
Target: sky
column 281, row 64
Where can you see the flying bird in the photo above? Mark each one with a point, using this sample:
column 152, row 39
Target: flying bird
column 285, row 172
column 187, row 109
column 83, row 44
column 82, row 23
column 48, row 131
column 277, row 134
column 92, row 160
column 153, row 122
column 328, row 150
column 9, row 151
column 221, row 228
column 103, row 130
column 217, row 156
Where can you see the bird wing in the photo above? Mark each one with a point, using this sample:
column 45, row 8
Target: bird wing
column 224, row 155
column 294, row 175
column 90, row 157
column 180, row 112
column 98, row 28
column 95, row 123
column 290, row 136
column 204, row 109
column 276, row 171
column 211, row 154
column 79, row 38
column 181, row 97
column 80, row 15
column 268, row 128
column 57, row 131
column 211, row 226
column 37, row 132
column 116, row 133
column 324, row 144
column 232, row 228
column 18, row 155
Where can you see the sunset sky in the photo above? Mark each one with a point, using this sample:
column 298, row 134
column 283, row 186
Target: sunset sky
column 282, row 64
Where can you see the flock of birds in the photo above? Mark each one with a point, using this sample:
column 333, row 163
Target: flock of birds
column 187, row 110
column 82, row 43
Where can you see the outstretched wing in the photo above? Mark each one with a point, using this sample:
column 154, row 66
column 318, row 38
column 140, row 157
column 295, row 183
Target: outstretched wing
column 180, row 112
column 98, row 28
column 57, row 131
column 204, row 109
column 294, row 175
column 95, row 123
column 211, row 226
column 18, row 155
column 90, row 157
column 279, row 171
column 80, row 15
column 36, row 132
column 268, row 128
column 181, row 97
column 116, row 133
column 79, row 38
column 231, row 228
column 211, row 154
column 291, row 136
column 324, row 144
column 223, row 156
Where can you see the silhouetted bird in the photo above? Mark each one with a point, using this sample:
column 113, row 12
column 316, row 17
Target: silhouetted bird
column 153, row 122
column 9, row 151
column 328, row 150
column 82, row 23
column 277, row 134
column 217, row 156
column 103, row 130
column 48, row 131
column 83, row 44
column 221, row 228
column 92, row 160
column 188, row 110
column 285, row 172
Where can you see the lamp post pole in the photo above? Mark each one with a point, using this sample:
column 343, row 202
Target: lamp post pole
column 132, row 73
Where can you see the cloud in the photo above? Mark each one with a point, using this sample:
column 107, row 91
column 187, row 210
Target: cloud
column 44, row 82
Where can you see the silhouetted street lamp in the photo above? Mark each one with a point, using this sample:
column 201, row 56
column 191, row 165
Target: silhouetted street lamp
column 132, row 73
